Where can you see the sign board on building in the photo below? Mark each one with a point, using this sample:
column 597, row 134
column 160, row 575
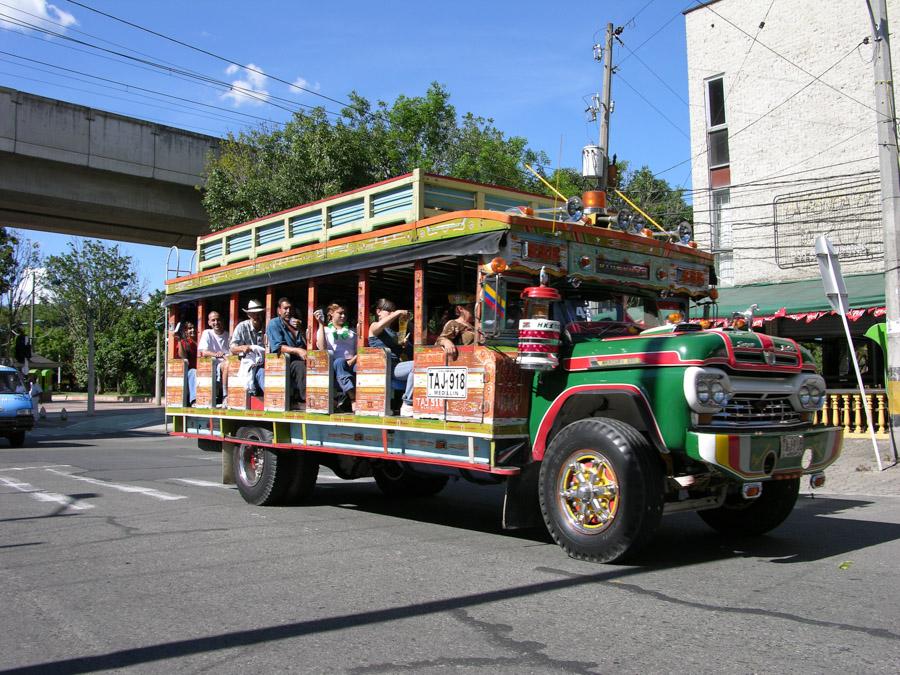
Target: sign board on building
column 849, row 215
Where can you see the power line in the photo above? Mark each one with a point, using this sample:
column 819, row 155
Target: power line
column 250, row 93
column 135, row 87
column 749, row 49
column 654, row 73
column 209, row 53
column 653, row 35
column 650, row 103
column 708, row 7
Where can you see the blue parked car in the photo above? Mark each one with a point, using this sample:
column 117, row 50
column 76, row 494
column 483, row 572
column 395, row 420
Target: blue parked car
column 16, row 415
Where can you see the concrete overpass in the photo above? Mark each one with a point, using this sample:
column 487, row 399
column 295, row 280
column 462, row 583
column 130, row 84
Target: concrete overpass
column 76, row 170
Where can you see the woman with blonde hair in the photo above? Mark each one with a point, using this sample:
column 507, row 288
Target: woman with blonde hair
column 339, row 340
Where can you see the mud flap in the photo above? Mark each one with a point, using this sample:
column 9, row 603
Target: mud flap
column 521, row 507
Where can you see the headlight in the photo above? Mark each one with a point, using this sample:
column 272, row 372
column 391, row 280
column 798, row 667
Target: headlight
column 24, row 412
column 803, row 395
column 719, row 395
column 703, row 391
column 707, row 390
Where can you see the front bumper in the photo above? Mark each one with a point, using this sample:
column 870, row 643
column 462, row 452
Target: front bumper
column 757, row 456
column 10, row 424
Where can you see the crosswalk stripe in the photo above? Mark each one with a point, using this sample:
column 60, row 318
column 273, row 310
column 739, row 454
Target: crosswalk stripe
column 43, row 496
column 149, row 492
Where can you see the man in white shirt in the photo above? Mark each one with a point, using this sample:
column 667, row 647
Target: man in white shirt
column 214, row 342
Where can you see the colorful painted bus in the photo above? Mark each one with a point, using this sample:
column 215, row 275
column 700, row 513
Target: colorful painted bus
column 585, row 388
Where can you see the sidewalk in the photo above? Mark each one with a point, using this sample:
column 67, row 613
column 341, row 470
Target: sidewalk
column 855, row 471
column 109, row 417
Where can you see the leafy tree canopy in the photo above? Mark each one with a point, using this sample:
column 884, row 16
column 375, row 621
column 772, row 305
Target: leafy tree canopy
column 312, row 157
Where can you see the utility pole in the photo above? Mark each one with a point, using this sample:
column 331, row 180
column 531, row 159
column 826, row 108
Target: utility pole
column 31, row 331
column 605, row 107
column 890, row 200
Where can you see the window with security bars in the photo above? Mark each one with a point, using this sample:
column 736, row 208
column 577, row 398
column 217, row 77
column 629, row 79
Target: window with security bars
column 722, row 241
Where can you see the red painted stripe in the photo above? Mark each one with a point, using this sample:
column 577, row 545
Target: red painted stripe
column 734, row 453
column 540, row 439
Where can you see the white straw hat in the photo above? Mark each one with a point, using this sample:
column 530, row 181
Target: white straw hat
column 254, row 306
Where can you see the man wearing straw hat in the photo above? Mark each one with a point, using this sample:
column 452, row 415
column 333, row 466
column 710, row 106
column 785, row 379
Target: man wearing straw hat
column 247, row 342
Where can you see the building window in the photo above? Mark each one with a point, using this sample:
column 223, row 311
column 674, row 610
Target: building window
column 716, row 124
column 722, row 242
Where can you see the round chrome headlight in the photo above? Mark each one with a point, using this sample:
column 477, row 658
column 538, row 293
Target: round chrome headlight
column 719, row 395
column 804, row 396
column 703, row 393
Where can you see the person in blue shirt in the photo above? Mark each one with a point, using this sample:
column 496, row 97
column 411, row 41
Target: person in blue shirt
column 286, row 337
column 382, row 335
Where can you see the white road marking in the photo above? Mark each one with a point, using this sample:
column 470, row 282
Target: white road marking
column 36, row 466
column 42, row 496
column 204, row 483
column 149, row 492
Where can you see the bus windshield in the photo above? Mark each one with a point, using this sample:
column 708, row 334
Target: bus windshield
column 590, row 315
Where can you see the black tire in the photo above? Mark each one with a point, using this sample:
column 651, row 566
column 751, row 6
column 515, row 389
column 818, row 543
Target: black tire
column 262, row 474
column 399, row 480
column 612, row 506
column 753, row 517
column 16, row 439
column 304, row 471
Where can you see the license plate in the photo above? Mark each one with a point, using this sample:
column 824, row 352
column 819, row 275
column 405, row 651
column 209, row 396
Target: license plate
column 791, row 446
column 449, row 383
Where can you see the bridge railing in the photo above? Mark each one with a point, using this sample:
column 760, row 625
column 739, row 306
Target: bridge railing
column 404, row 199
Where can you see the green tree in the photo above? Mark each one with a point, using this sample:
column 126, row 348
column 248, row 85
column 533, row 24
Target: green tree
column 94, row 285
column 19, row 260
column 312, row 156
column 655, row 196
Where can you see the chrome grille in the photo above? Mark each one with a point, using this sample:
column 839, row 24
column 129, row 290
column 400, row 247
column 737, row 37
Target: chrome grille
column 756, row 356
column 757, row 409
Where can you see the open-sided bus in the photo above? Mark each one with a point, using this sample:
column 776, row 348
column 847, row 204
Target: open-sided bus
column 587, row 392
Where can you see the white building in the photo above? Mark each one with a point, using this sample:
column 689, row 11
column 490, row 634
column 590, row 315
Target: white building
column 779, row 157
column 784, row 148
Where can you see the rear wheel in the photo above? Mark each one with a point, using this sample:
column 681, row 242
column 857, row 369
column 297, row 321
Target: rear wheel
column 262, row 474
column 601, row 490
column 398, row 479
column 752, row 517
column 16, row 439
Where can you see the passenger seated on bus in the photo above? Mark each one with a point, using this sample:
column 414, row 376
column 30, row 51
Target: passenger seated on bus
column 339, row 340
column 214, row 343
column 285, row 337
column 187, row 349
column 247, row 342
column 461, row 330
column 382, row 335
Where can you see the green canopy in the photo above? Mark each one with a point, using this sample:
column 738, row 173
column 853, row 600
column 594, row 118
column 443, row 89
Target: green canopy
column 863, row 290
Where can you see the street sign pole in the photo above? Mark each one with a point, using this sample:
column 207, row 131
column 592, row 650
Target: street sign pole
column 836, row 292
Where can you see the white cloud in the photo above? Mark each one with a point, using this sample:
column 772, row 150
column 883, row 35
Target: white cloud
column 33, row 11
column 302, row 83
column 249, row 87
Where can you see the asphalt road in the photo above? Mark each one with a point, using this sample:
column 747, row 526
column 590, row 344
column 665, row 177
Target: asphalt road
column 126, row 554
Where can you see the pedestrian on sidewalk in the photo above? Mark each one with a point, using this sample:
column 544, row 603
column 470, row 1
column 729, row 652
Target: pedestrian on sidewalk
column 35, row 390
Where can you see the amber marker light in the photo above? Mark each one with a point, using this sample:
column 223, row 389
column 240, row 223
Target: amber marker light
column 705, row 324
column 498, row 265
column 714, row 293
column 674, row 317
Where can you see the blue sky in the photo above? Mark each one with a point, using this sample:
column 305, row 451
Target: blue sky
column 526, row 64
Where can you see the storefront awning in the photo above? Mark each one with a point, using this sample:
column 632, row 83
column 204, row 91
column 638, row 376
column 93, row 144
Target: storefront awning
column 864, row 291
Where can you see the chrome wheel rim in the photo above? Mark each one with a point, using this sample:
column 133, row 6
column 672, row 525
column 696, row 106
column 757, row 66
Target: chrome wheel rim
column 588, row 492
column 251, row 465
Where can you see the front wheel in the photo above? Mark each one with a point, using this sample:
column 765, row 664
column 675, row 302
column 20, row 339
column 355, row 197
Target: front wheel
column 601, row 490
column 752, row 517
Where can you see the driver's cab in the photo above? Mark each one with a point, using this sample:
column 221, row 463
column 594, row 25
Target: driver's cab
column 584, row 311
